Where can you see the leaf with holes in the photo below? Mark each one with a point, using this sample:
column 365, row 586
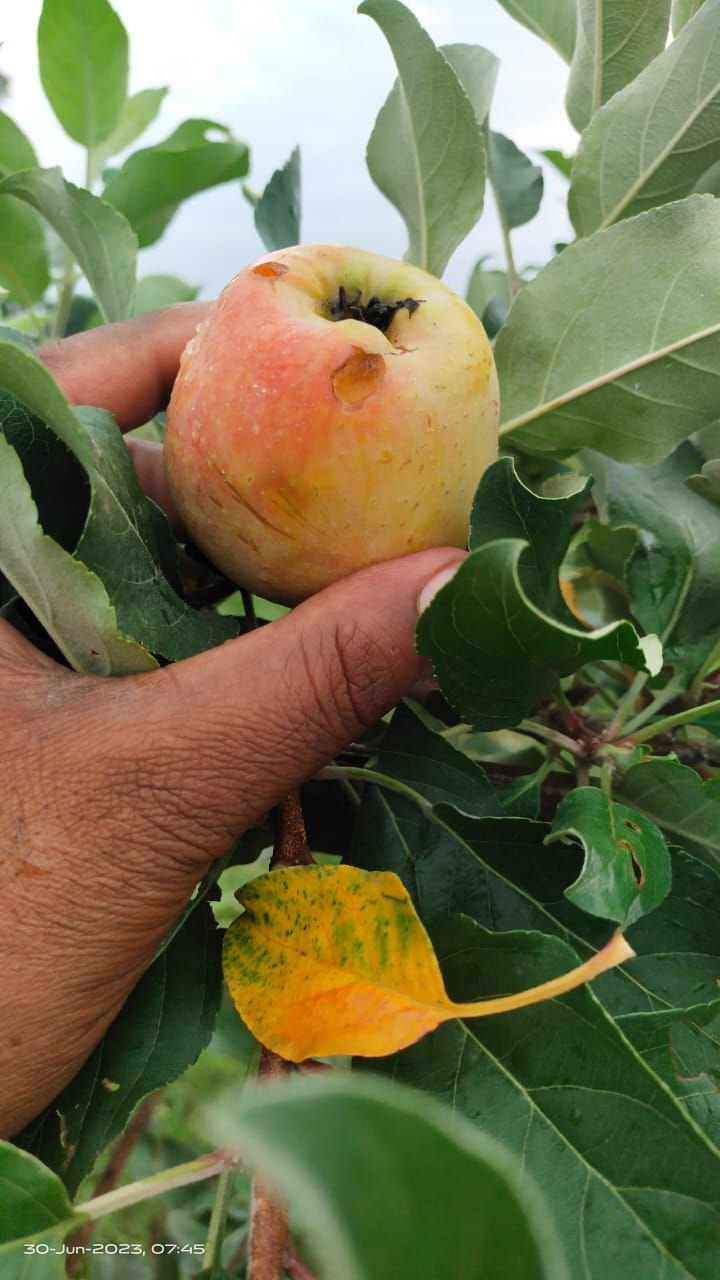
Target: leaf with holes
column 626, row 868
column 682, row 1046
column 500, row 871
column 683, row 806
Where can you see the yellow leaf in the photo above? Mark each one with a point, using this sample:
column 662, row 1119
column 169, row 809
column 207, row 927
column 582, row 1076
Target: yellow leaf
column 332, row 960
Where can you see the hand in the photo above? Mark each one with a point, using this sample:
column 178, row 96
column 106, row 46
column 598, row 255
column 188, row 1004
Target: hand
column 119, row 793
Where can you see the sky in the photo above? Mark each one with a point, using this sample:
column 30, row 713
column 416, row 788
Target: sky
column 313, row 72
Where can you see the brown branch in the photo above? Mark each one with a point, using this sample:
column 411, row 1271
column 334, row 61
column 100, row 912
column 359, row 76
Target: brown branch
column 291, row 846
column 268, row 1216
column 110, row 1176
column 295, row 1268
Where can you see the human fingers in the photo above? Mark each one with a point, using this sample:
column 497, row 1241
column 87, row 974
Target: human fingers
column 129, row 367
column 202, row 749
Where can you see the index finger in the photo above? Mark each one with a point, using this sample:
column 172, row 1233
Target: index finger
column 128, row 368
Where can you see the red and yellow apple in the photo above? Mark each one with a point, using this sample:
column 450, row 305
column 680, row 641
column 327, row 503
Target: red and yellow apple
column 336, row 408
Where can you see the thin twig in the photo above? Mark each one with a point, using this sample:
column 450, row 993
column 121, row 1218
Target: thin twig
column 180, row 1175
column 268, row 1216
column 296, row 1268
column 694, row 715
column 561, row 740
column 333, row 772
column 249, row 606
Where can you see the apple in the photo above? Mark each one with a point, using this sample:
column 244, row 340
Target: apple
column 336, row 408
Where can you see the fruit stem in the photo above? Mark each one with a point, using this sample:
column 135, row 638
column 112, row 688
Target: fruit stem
column 249, row 607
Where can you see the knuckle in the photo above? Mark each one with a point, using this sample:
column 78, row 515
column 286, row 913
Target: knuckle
column 348, row 678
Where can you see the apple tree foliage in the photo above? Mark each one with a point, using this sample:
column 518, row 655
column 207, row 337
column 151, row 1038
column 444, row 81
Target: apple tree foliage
column 565, row 776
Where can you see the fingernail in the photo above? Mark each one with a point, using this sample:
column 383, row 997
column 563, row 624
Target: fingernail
column 435, row 584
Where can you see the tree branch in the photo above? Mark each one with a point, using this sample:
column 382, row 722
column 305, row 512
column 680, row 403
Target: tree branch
column 268, row 1216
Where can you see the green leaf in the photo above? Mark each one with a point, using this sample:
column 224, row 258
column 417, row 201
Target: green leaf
column 83, row 49
column 416, row 755
column 426, row 152
column 136, row 114
column 16, row 149
column 19, row 1263
column 552, row 20
column 658, row 136
column 33, row 1198
column 496, row 655
column 672, row 573
column 682, row 1047
column 69, row 601
column 614, row 43
column 498, row 634
column 165, row 1023
column 560, row 161
column 487, row 288
column 626, row 868
column 682, row 12
column 161, row 291
column 154, row 181
column 684, row 807
column 500, row 871
column 24, row 266
column 59, row 486
column 477, row 70
column 522, row 796
column 471, row 1213
column 616, row 343
column 24, row 263
column 707, row 481
column 277, row 210
column 516, row 181
column 98, row 237
column 488, row 293
column 118, row 542
column 504, row 507
column 621, row 1160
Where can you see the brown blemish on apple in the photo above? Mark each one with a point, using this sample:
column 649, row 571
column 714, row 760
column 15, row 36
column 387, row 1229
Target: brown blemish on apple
column 272, row 269
column 360, row 376
column 243, row 502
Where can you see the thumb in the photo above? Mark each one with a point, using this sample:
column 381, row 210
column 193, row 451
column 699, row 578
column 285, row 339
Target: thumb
column 227, row 734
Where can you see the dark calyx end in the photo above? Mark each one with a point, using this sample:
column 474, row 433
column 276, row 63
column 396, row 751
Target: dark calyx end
column 374, row 312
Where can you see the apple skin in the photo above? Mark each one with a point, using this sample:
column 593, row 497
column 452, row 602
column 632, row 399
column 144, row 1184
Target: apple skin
column 300, row 448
